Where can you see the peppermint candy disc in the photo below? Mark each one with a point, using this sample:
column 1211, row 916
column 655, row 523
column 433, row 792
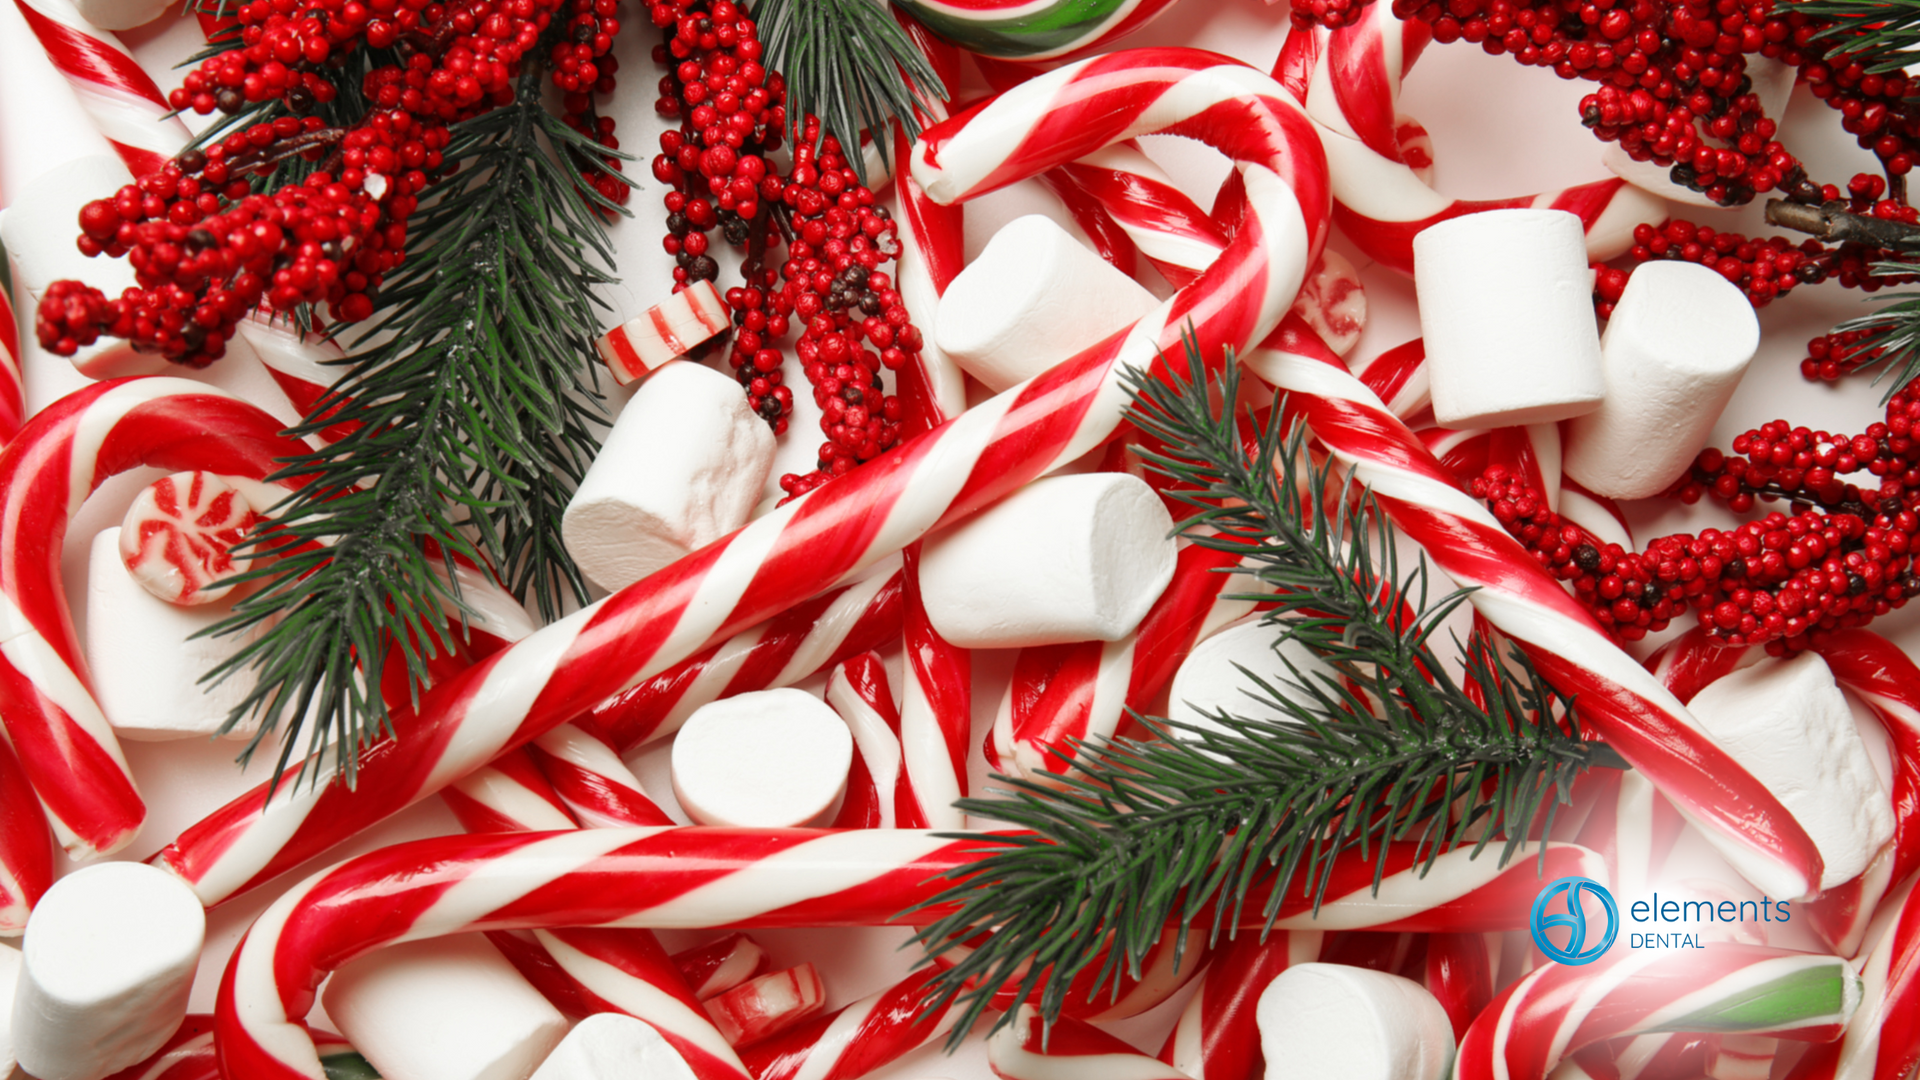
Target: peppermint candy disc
column 178, row 536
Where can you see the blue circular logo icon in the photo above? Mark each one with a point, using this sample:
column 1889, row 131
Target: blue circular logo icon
column 1575, row 951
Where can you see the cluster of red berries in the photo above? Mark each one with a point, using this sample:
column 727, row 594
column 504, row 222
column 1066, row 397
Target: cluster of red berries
column 1831, row 356
column 732, row 113
column 1764, row 269
column 205, row 251
column 1841, row 558
column 583, row 66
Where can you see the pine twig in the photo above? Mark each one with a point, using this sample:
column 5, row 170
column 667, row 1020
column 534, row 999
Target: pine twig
column 1182, row 828
column 848, row 63
column 1879, row 35
column 474, row 423
column 1894, row 330
column 1834, row 224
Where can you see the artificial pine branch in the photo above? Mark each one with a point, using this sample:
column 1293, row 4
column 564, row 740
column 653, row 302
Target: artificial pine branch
column 1183, row 828
column 473, row 423
column 848, row 63
column 1893, row 330
column 1879, row 35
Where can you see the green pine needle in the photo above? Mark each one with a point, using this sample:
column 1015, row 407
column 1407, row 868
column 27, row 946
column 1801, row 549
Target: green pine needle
column 1186, row 828
column 1894, row 329
column 848, row 63
column 1879, row 35
column 476, row 414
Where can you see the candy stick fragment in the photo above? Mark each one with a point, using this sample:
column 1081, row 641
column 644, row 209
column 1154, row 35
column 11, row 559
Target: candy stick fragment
column 1752, row 989
column 861, row 1038
column 1027, row 1049
column 122, row 99
column 721, row 965
column 767, row 1005
column 13, row 405
column 664, row 332
column 843, row 528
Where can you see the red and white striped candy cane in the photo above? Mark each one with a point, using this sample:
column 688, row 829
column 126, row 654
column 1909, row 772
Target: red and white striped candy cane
column 592, row 781
column 46, row 473
column 858, row 1039
column 1380, row 200
column 689, row 878
column 189, row 1054
column 1216, row 1037
column 1460, row 976
column 1558, row 1010
column 721, row 965
column 508, row 795
column 841, row 529
column 1029, row 1049
column 116, row 92
column 13, row 404
column 879, row 794
column 936, row 708
column 1882, row 1041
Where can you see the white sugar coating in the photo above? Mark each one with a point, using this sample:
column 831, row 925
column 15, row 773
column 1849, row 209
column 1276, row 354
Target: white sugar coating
column 146, row 659
column 1787, row 723
column 1506, row 309
column 614, row 1046
column 767, row 759
column 1330, row 1020
column 1210, row 679
column 447, row 1008
column 1033, row 298
column 682, row 467
column 1066, row 558
column 1673, row 354
column 107, row 963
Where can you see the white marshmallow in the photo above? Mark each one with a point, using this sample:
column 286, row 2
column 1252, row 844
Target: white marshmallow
column 1066, row 558
column 146, row 661
column 1326, row 1020
column 120, row 14
column 108, row 961
column 682, row 467
column 1772, row 84
column 1033, row 298
column 9, row 986
column 1673, row 354
column 40, row 230
column 1506, row 308
column 1210, row 681
column 443, row 1009
column 769, row 759
column 614, row 1046
column 1788, row 724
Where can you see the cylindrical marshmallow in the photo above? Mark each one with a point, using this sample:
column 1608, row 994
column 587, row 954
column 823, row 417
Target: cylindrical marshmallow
column 1788, row 724
column 1067, row 558
column 443, row 1009
column 120, row 14
column 108, row 961
column 768, row 759
column 1506, row 309
column 1325, row 1020
column 682, row 467
column 1211, row 680
column 614, row 1046
column 1673, row 354
column 1033, row 298
column 146, row 656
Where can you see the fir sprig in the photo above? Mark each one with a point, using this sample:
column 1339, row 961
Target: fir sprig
column 1894, row 329
column 1879, row 35
column 848, row 63
column 473, row 423
column 1188, row 827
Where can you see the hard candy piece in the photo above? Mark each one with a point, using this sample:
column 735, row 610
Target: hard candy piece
column 1788, row 723
column 1673, row 354
column 147, row 661
column 682, row 467
column 767, row 1005
column 108, row 960
column 177, row 537
column 447, row 1008
column 1211, row 680
column 665, row 332
column 769, row 759
column 1033, row 298
column 614, row 1046
column 1325, row 1020
column 1506, row 308
column 719, row 966
column 1334, row 302
column 1067, row 558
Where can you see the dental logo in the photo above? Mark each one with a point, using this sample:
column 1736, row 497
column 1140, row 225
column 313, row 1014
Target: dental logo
column 1569, row 892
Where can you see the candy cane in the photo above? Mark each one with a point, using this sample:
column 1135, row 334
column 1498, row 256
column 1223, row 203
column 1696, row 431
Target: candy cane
column 13, row 405
column 1460, row 976
column 46, row 473
column 1047, row 30
column 1030, row 1049
column 1882, row 1041
column 861, row 1038
column 1380, row 201
column 842, row 528
column 592, row 781
column 1216, row 1037
column 121, row 98
column 936, row 709
column 190, row 1054
column 1557, row 1010
column 689, row 878
column 879, row 795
